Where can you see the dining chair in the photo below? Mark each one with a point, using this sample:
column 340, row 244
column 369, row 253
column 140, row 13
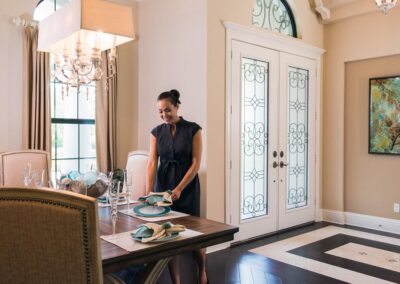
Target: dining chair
column 13, row 163
column 48, row 236
column 137, row 166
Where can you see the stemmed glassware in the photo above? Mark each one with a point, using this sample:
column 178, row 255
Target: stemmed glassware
column 113, row 197
column 127, row 185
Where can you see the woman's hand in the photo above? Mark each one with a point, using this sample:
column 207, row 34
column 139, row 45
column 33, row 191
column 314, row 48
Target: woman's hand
column 176, row 194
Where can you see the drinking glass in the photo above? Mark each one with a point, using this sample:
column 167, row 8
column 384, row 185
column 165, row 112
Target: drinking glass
column 27, row 174
column 113, row 197
column 127, row 185
column 38, row 178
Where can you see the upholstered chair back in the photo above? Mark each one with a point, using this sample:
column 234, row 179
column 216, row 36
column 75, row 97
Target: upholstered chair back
column 12, row 166
column 48, row 236
column 137, row 166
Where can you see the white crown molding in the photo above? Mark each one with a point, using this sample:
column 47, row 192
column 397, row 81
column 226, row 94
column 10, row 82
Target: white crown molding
column 262, row 36
column 344, row 9
column 323, row 10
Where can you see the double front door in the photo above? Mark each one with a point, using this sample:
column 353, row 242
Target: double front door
column 272, row 136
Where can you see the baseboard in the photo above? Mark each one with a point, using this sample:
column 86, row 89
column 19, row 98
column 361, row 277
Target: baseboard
column 361, row 220
column 333, row 216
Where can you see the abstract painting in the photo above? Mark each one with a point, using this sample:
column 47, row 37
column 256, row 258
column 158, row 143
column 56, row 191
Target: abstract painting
column 384, row 115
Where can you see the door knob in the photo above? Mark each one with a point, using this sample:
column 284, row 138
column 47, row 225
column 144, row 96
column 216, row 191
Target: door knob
column 282, row 164
column 275, row 164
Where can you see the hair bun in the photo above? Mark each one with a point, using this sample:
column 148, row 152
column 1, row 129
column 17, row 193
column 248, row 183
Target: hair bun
column 176, row 94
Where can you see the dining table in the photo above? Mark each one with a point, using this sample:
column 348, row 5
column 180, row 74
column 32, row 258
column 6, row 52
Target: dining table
column 155, row 257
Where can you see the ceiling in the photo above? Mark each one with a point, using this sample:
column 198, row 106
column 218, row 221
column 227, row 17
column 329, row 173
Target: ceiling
column 336, row 10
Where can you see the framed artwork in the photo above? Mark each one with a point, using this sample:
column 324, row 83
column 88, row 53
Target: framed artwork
column 384, row 115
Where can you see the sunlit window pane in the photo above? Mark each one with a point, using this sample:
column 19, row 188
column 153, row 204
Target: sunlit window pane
column 65, row 106
column 87, row 141
column 87, row 103
column 66, row 141
column 73, row 128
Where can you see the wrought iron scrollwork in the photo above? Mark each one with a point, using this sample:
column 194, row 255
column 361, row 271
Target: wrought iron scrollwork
column 274, row 15
column 254, row 204
column 298, row 80
column 254, row 138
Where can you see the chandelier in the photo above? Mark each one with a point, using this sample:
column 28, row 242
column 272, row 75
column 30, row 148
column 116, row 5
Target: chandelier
column 385, row 5
column 78, row 32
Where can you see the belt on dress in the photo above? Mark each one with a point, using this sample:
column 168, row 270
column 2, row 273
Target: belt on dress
column 171, row 162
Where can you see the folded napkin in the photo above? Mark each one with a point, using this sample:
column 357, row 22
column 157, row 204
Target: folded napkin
column 102, row 199
column 151, row 231
column 158, row 198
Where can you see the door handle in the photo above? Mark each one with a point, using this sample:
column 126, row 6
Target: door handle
column 282, row 164
column 275, row 164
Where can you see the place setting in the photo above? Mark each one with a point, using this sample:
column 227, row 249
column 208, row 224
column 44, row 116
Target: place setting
column 155, row 207
column 150, row 234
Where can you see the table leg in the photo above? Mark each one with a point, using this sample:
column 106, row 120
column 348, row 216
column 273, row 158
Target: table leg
column 153, row 270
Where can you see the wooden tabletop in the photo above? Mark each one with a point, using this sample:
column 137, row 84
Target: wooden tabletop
column 115, row 258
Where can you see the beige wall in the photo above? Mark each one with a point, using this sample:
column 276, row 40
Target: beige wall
column 370, row 181
column 172, row 55
column 127, row 100
column 238, row 11
column 11, row 73
column 368, row 36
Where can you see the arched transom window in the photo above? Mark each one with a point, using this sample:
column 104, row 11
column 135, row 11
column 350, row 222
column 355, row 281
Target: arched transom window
column 274, row 15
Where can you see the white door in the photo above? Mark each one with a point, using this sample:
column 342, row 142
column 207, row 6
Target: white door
column 296, row 141
column 267, row 191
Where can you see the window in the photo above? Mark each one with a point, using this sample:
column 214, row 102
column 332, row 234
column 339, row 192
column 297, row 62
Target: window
column 73, row 127
column 274, row 15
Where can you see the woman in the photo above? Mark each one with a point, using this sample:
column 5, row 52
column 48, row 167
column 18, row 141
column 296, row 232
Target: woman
column 177, row 143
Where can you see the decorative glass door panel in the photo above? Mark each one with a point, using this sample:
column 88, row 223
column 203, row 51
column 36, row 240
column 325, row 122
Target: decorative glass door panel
column 297, row 178
column 296, row 141
column 254, row 142
column 254, row 194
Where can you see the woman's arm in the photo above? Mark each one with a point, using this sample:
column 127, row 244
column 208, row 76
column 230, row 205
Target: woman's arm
column 151, row 165
column 194, row 168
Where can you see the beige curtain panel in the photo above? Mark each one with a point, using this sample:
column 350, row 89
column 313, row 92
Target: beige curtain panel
column 36, row 68
column 106, row 119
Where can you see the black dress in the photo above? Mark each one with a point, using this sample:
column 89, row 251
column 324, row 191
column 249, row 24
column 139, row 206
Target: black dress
column 175, row 153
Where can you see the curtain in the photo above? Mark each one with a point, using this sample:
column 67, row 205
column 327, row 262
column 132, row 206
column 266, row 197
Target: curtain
column 36, row 80
column 106, row 118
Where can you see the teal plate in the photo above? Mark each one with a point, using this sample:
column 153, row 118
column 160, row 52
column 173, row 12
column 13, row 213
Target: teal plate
column 161, row 240
column 146, row 210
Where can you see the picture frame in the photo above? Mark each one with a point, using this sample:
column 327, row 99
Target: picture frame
column 384, row 115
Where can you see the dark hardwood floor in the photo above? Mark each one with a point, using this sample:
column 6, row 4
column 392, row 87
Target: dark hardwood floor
column 238, row 265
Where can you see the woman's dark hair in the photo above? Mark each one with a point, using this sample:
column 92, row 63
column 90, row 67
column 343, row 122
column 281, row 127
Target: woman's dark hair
column 172, row 96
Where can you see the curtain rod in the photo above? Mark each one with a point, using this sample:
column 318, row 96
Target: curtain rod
column 22, row 22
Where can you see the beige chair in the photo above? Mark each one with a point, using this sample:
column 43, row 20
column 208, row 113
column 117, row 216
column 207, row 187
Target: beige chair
column 48, row 236
column 12, row 166
column 137, row 166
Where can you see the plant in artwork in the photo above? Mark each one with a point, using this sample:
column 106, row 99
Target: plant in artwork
column 384, row 115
